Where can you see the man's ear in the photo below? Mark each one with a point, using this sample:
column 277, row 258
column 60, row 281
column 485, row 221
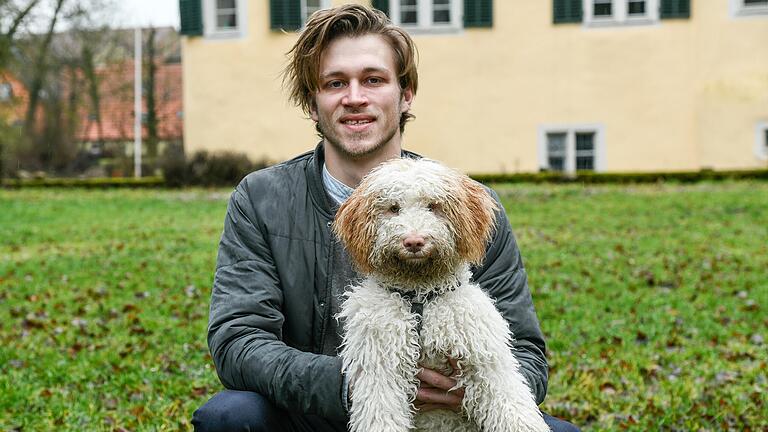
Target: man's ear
column 313, row 110
column 407, row 98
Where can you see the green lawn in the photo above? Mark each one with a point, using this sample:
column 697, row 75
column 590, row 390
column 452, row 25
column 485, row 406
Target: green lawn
column 653, row 300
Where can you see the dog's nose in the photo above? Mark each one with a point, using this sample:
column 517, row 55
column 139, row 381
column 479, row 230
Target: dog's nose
column 413, row 243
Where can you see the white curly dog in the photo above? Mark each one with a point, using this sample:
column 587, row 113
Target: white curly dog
column 413, row 227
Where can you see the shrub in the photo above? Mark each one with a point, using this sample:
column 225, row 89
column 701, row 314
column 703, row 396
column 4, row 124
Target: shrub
column 205, row 168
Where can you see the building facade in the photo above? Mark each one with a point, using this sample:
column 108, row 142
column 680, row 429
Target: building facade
column 510, row 86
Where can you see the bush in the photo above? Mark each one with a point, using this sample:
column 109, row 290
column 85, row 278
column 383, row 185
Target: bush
column 622, row 178
column 205, row 168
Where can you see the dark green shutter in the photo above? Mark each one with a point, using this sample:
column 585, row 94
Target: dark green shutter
column 382, row 5
column 478, row 13
column 566, row 11
column 285, row 14
column 191, row 17
column 675, row 9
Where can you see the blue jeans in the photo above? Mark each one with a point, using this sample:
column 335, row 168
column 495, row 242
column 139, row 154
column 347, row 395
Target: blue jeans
column 232, row 410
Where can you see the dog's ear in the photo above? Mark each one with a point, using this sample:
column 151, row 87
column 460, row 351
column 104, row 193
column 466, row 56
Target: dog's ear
column 355, row 225
column 473, row 215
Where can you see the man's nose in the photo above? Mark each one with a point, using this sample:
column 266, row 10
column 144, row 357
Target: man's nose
column 355, row 95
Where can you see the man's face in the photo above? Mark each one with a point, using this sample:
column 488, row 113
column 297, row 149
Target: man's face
column 359, row 101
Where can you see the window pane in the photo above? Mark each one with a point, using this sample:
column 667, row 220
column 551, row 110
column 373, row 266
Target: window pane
column 637, row 7
column 585, row 163
column 6, row 92
column 603, row 7
column 408, row 12
column 441, row 16
column 556, row 144
column 557, row 163
column 585, row 141
column 225, row 4
column 312, row 4
column 441, row 11
column 765, row 139
column 408, row 17
column 226, row 21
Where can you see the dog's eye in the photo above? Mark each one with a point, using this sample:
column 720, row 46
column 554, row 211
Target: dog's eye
column 394, row 209
column 433, row 207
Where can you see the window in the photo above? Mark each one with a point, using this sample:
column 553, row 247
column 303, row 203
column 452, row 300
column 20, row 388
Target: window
column 585, row 151
column 571, row 148
column 602, row 8
column 556, row 151
column 226, row 15
column 618, row 12
column 761, row 141
column 6, row 92
column 749, row 7
column 308, row 7
column 427, row 15
column 224, row 18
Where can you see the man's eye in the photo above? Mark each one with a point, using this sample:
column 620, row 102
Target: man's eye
column 335, row 84
column 374, row 80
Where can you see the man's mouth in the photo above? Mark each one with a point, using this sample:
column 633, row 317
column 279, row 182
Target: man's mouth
column 356, row 122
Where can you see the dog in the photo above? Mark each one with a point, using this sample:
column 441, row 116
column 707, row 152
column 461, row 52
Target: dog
column 413, row 228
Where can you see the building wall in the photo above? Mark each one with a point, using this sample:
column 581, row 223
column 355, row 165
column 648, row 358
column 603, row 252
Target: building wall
column 677, row 95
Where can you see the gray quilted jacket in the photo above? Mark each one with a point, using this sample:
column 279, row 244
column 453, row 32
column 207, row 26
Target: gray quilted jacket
column 271, row 291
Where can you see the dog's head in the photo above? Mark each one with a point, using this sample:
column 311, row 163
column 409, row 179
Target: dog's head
column 416, row 221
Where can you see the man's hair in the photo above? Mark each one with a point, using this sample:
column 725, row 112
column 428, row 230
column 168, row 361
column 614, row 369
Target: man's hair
column 302, row 74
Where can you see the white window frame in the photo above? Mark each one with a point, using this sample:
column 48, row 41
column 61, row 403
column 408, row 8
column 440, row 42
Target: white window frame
column 570, row 131
column 209, row 21
column 739, row 9
column 761, row 140
column 324, row 4
column 424, row 17
column 620, row 14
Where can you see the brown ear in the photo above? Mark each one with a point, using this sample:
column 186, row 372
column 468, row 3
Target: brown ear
column 473, row 215
column 355, row 225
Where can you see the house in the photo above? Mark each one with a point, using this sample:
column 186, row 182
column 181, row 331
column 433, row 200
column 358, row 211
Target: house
column 510, row 86
column 111, row 130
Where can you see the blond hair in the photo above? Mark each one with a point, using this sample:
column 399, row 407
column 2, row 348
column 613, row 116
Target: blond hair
column 302, row 74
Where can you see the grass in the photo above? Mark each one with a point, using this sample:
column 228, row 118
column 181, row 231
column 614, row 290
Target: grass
column 653, row 299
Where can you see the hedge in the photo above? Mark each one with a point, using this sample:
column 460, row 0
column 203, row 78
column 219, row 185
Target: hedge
column 542, row 177
column 87, row 183
column 647, row 177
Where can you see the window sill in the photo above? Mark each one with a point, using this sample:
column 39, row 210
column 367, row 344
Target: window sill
column 630, row 22
column 434, row 30
column 225, row 34
column 752, row 11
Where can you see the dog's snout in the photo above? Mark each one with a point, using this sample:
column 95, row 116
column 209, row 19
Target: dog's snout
column 413, row 243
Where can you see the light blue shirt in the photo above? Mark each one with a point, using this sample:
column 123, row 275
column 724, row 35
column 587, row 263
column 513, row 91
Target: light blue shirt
column 337, row 190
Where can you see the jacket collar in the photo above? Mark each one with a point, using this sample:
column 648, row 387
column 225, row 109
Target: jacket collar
column 314, row 172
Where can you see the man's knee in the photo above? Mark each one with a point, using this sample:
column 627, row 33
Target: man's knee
column 232, row 410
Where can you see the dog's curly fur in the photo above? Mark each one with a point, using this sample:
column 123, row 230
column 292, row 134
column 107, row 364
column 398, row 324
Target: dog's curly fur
column 413, row 227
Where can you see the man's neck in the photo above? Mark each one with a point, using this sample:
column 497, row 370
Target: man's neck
column 351, row 170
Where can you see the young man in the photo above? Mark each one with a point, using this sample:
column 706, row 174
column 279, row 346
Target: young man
column 280, row 273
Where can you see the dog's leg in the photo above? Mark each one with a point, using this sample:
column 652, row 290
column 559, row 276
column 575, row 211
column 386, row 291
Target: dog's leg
column 380, row 353
column 496, row 395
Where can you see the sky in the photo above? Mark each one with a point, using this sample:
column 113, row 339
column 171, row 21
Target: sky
column 156, row 13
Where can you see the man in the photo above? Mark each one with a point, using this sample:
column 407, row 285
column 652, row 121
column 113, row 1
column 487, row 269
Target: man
column 280, row 273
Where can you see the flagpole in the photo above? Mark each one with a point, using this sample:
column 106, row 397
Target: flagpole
column 137, row 102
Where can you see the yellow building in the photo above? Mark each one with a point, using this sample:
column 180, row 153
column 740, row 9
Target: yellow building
column 510, row 85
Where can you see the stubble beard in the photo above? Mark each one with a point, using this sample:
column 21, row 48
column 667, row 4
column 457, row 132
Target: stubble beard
column 350, row 151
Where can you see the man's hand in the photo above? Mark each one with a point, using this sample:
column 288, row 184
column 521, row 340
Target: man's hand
column 434, row 390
